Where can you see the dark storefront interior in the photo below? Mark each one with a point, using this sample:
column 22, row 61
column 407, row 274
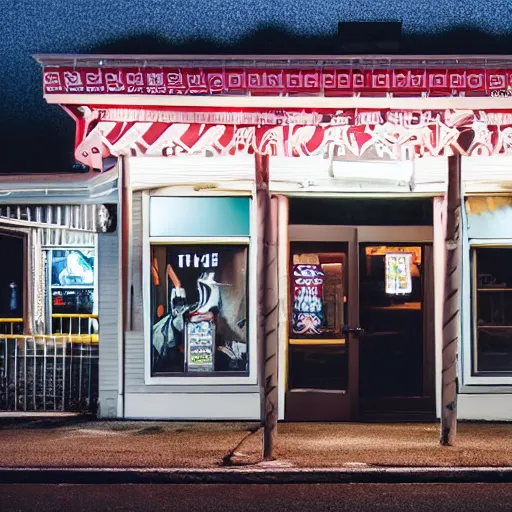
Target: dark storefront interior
column 11, row 278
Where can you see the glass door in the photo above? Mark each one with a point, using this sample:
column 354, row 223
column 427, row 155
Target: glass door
column 395, row 290
column 322, row 368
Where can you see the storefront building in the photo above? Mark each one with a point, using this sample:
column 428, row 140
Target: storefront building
column 357, row 153
column 49, row 335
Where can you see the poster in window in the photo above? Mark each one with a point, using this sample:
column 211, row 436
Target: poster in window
column 398, row 273
column 72, row 267
column 199, row 309
column 308, row 309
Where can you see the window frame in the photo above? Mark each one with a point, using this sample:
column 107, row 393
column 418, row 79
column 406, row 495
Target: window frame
column 147, row 242
column 469, row 336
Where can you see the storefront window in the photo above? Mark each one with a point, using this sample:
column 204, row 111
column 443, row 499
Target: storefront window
column 492, row 309
column 199, row 314
column 71, row 278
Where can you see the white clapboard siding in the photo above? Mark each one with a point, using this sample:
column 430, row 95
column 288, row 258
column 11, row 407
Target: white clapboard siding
column 109, row 311
column 136, row 263
column 134, row 353
column 134, row 361
column 228, row 171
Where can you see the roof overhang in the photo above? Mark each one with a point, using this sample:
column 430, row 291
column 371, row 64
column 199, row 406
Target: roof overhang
column 395, row 107
column 70, row 188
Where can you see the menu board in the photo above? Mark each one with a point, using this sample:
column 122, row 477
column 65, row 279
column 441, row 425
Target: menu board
column 200, row 338
column 398, row 273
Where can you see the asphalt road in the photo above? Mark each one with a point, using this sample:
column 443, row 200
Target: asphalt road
column 260, row 498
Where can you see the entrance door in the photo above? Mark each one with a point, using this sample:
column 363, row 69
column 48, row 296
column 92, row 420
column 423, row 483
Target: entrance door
column 323, row 345
column 360, row 344
column 396, row 310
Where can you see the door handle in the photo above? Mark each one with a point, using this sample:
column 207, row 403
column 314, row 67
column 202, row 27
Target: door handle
column 352, row 330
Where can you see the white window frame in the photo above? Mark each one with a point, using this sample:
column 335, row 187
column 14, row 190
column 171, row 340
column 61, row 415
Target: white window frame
column 251, row 242
column 469, row 335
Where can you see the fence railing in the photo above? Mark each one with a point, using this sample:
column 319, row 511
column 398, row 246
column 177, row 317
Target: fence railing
column 56, row 372
column 76, row 326
column 11, row 326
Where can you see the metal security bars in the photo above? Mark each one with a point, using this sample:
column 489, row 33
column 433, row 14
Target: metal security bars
column 78, row 217
column 56, row 372
column 59, row 225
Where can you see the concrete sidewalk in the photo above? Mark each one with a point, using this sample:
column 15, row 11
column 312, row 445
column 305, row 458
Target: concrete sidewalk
column 75, row 442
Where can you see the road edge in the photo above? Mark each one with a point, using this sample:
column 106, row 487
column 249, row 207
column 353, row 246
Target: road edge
column 254, row 475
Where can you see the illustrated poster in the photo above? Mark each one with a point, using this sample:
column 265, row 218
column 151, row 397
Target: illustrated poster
column 308, row 310
column 398, row 273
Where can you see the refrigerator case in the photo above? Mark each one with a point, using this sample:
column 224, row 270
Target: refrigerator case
column 200, row 342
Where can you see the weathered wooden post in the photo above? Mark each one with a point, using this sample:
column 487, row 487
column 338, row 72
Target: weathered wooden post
column 267, row 279
column 451, row 310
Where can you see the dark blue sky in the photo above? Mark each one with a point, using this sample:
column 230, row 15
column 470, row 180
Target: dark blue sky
column 195, row 26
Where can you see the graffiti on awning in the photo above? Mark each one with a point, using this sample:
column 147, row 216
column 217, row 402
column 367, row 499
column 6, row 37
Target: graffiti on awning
column 369, row 134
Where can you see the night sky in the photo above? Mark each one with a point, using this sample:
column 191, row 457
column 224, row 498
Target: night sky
column 36, row 137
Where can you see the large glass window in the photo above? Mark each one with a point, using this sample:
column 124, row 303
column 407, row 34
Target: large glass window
column 492, row 310
column 71, row 279
column 199, row 313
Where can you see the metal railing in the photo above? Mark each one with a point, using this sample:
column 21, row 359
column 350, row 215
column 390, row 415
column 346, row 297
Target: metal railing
column 56, row 372
column 11, row 326
column 76, row 326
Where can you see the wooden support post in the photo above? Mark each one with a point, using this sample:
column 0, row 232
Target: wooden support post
column 267, row 284
column 451, row 310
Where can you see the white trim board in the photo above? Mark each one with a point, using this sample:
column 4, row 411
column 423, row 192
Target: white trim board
column 223, row 172
column 412, row 103
column 189, row 406
column 490, row 407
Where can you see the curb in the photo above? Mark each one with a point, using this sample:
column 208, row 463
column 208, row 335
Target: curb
column 254, row 475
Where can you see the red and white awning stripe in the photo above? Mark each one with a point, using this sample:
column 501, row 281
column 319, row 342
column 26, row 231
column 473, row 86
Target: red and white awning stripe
column 399, row 136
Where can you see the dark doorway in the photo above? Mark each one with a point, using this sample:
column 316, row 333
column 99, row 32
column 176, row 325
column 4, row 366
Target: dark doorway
column 12, row 285
column 393, row 351
column 361, row 212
